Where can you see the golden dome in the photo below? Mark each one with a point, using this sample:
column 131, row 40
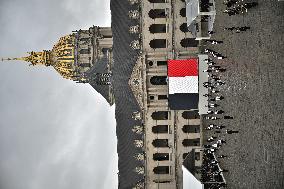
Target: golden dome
column 61, row 57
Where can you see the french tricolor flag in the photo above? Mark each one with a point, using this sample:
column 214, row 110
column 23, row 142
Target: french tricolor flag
column 183, row 84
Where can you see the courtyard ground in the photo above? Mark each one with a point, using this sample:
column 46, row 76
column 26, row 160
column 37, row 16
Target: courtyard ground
column 254, row 96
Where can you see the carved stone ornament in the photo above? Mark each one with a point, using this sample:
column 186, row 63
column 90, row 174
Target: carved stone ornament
column 132, row 2
column 137, row 129
column 136, row 115
column 138, row 143
column 139, row 157
column 139, row 185
column 136, row 82
column 139, row 170
column 134, row 14
column 135, row 45
column 134, row 29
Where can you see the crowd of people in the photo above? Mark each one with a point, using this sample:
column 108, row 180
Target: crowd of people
column 212, row 174
column 210, row 170
column 238, row 7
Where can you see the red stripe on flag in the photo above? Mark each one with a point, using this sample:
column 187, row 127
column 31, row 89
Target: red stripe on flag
column 182, row 68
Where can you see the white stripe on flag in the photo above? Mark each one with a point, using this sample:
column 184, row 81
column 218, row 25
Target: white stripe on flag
column 188, row 84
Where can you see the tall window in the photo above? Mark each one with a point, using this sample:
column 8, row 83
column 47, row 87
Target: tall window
column 161, row 170
column 184, row 28
column 160, row 115
column 158, row 28
column 162, row 63
column 190, row 114
column 189, row 42
column 158, row 43
column 191, row 142
column 84, row 51
column 182, row 12
column 191, row 129
column 85, row 64
column 158, row 80
column 160, row 143
column 160, row 129
column 161, row 156
column 162, row 97
column 84, row 39
column 157, row 13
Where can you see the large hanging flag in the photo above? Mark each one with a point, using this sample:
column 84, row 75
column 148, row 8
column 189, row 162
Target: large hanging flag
column 183, row 84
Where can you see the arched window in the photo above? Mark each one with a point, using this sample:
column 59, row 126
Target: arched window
column 160, row 115
column 189, row 42
column 184, row 28
column 191, row 142
column 161, row 181
column 162, row 63
column 84, row 39
column 182, row 12
column 161, row 170
column 158, row 28
column 190, row 114
column 158, row 43
column 85, row 65
column 162, row 97
column 158, row 80
column 161, row 156
column 160, row 143
column 84, row 51
column 157, row 13
column 160, row 129
column 191, row 129
column 156, row 1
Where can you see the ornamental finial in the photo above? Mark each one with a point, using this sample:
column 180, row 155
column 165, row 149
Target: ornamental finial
column 34, row 58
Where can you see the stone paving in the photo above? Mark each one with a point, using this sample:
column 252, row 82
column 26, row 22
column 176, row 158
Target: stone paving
column 254, row 96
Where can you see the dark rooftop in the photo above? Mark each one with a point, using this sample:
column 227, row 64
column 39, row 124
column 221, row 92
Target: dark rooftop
column 125, row 103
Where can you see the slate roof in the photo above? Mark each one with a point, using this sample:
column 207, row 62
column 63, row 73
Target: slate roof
column 100, row 67
column 125, row 103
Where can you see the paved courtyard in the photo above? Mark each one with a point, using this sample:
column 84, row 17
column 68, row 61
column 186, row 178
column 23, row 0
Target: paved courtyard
column 254, row 96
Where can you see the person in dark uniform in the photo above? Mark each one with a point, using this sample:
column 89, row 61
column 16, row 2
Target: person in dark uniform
column 231, row 131
column 222, row 156
column 211, row 32
column 220, row 127
column 219, row 112
column 228, row 117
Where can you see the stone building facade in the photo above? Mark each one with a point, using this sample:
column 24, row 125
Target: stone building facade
column 91, row 46
column 169, row 135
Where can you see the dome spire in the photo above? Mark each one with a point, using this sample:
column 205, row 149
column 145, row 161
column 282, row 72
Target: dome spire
column 35, row 58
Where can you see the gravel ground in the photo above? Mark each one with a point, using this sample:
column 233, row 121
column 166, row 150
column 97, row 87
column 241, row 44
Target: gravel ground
column 254, row 96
